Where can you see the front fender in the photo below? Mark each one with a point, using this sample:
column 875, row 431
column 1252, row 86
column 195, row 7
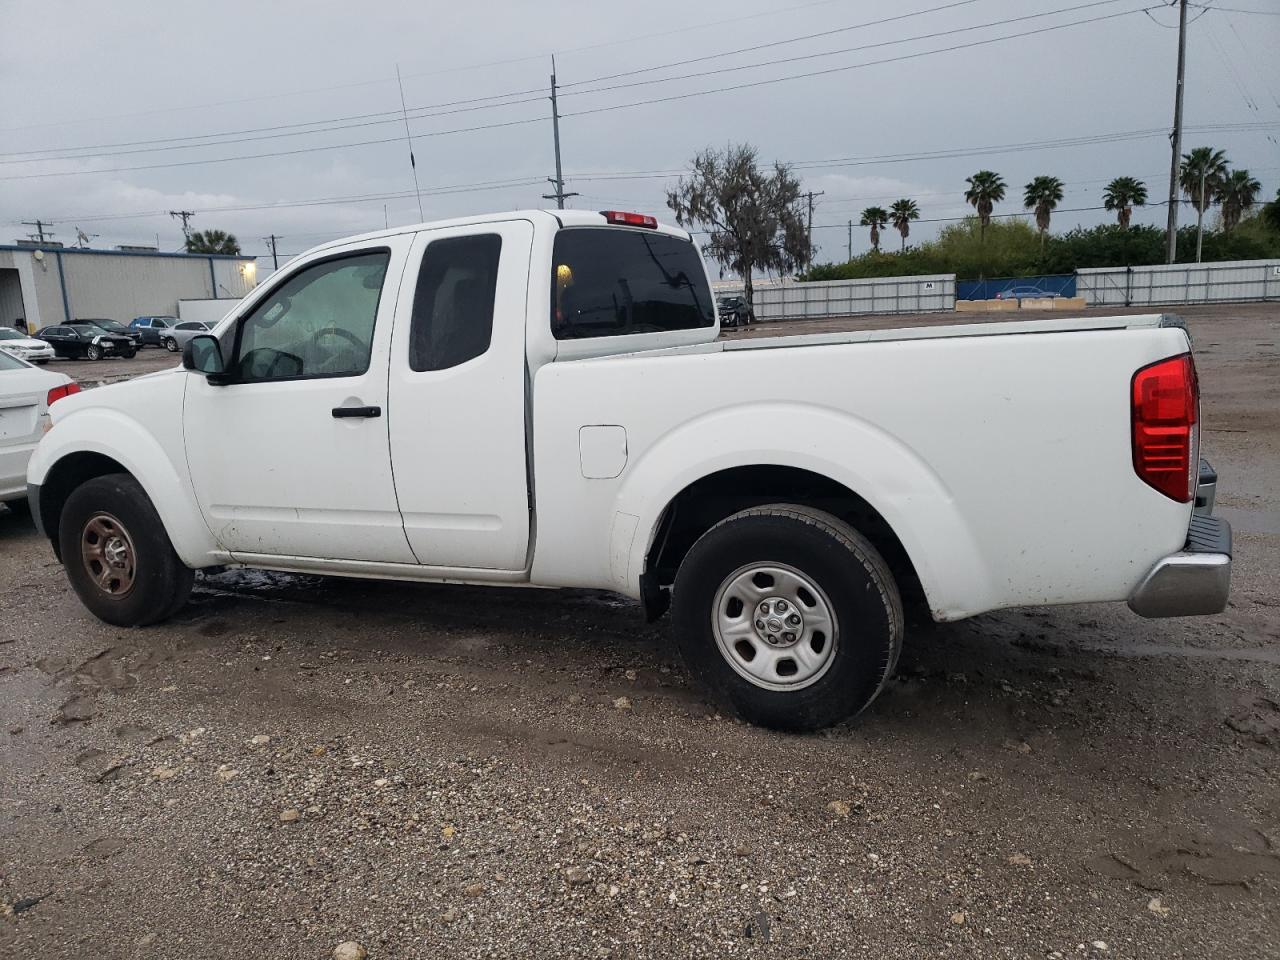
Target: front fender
column 892, row 478
column 117, row 435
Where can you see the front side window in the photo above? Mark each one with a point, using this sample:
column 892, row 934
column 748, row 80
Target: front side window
column 319, row 323
column 610, row 282
column 453, row 302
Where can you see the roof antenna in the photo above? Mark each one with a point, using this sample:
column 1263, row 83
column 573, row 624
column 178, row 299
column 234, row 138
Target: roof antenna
column 409, row 140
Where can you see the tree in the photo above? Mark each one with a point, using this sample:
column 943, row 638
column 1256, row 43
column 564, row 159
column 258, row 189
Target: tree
column 1122, row 195
column 213, row 241
column 875, row 218
column 1199, row 176
column 753, row 216
column 1271, row 212
column 1238, row 191
column 986, row 189
column 901, row 214
column 1042, row 194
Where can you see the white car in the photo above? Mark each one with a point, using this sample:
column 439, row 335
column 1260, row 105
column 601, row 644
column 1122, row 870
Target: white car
column 25, row 397
column 176, row 337
column 542, row 398
column 23, row 347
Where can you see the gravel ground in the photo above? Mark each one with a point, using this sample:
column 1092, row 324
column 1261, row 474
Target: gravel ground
column 437, row 771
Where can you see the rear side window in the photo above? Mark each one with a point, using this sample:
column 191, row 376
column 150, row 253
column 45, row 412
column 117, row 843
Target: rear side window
column 453, row 302
column 609, row 282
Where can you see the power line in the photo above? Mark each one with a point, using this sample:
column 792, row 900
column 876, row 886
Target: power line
column 831, row 53
column 607, row 108
column 1261, row 13
column 684, row 28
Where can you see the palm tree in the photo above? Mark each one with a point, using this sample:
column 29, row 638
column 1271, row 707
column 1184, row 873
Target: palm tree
column 901, row 214
column 213, row 241
column 1122, row 195
column 1201, row 173
column 1237, row 191
column 1042, row 194
column 875, row 218
column 986, row 189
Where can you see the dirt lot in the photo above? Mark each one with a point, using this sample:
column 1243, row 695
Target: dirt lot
column 447, row 771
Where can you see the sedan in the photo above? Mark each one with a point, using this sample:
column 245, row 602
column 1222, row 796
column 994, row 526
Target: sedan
column 92, row 343
column 25, row 396
column 151, row 328
column 112, row 326
column 176, row 337
column 23, row 347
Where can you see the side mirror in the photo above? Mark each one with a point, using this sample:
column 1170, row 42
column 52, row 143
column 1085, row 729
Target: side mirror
column 203, row 354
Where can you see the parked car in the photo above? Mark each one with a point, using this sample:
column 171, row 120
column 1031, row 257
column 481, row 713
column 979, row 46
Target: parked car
column 24, row 347
column 1024, row 292
column 85, row 341
column 151, row 329
column 111, row 326
column 26, row 393
column 176, row 337
column 565, row 415
column 734, row 312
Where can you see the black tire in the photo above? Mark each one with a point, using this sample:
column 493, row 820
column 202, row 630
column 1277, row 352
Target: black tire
column 161, row 582
column 93, row 352
column 853, row 580
column 171, row 344
column 42, row 362
column 128, row 353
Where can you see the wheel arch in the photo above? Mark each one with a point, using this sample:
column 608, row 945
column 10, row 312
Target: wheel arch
column 77, row 450
column 812, row 456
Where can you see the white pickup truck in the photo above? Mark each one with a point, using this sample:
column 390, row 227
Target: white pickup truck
column 542, row 399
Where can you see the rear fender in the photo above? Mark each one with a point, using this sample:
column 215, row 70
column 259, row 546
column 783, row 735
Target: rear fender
column 905, row 491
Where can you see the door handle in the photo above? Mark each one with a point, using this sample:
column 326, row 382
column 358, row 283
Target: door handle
column 343, row 412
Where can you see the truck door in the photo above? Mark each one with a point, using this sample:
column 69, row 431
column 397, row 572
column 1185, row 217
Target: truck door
column 456, row 397
column 289, row 453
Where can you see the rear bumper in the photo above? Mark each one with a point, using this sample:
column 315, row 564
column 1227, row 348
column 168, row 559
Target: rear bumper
column 1193, row 582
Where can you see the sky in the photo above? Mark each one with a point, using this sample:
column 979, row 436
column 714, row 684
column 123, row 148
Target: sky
column 286, row 118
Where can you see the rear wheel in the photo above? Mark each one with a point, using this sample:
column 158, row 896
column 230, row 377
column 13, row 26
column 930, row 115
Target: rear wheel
column 117, row 554
column 790, row 615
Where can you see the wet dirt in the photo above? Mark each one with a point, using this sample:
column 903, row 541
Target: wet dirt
column 448, row 771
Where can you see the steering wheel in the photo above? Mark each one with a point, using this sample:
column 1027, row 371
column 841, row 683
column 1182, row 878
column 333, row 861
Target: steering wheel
column 347, row 335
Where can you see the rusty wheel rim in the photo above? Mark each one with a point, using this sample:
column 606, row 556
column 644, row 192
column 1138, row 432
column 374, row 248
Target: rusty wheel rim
column 106, row 549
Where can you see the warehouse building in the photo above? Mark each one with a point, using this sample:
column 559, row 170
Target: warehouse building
column 46, row 284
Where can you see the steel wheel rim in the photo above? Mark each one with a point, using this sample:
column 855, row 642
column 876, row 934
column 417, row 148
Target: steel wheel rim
column 108, row 555
column 785, row 654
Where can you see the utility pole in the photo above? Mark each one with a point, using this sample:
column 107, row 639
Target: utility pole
column 809, row 229
column 409, row 140
column 558, row 181
column 275, row 260
column 41, row 227
column 1175, row 138
column 851, row 241
column 184, row 216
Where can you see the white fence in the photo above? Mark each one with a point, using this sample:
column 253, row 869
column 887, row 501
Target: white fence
column 844, row 298
column 1234, row 280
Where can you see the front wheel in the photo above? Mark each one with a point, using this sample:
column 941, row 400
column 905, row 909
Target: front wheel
column 117, row 554
column 171, row 344
column 93, row 352
column 790, row 615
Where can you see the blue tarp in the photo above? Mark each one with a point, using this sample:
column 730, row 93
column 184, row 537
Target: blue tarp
column 1062, row 285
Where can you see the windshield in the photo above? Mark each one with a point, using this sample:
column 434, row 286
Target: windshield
column 8, row 333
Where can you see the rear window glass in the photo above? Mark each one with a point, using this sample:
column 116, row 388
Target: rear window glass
column 10, row 363
column 611, row 281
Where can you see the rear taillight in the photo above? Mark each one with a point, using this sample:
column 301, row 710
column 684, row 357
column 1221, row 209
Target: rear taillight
column 1166, row 436
column 630, row 219
column 66, row 390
